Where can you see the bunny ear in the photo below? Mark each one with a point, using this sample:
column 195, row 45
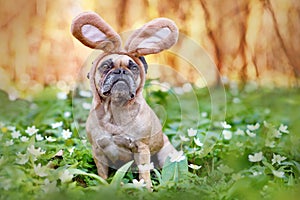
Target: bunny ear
column 155, row 36
column 91, row 30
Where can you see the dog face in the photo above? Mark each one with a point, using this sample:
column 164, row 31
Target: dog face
column 117, row 77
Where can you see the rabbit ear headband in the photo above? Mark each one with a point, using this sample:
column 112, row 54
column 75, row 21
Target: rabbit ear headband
column 154, row 37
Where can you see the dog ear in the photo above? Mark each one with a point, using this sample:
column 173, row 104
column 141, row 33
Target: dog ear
column 154, row 37
column 91, row 30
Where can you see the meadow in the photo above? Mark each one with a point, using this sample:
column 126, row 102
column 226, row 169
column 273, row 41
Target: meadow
column 246, row 147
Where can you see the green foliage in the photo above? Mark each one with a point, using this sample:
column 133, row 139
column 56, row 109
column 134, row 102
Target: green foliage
column 254, row 155
column 117, row 179
column 14, row 110
column 174, row 171
column 81, row 172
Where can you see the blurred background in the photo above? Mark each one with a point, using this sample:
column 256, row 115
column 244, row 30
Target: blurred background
column 249, row 40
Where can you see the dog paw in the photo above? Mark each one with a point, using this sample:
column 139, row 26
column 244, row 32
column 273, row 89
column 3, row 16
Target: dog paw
column 124, row 141
column 103, row 142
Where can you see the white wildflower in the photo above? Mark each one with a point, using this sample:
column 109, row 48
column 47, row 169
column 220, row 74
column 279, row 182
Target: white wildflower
column 250, row 134
column 236, row 176
column 239, row 132
column 187, row 87
column 183, row 138
column 66, row 134
column 269, row 143
column 9, row 143
column 24, row 139
column 239, row 144
column 277, row 159
column 31, row 130
column 267, row 111
column 255, row 173
column 176, row 156
column 39, row 137
column 36, row 152
column 198, row 142
column 196, row 167
column 204, row 114
column 40, row 170
column 59, row 153
column 256, row 157
column 225, row 80
column 22, row 158
column 85, row 93
column 267, row 125
column 139, row 184
column 67, row 114
column 86, row 106
column 56, row 124
column 146, row 167
column 278, row 174
column 283, row 128
column 50, row 139
column 46, row 181
column 84, row 142
column 191, row 132
column 225, row 125
column 227, row 134
column 11, row 128
column 15, row 134
column 61, row 95
column 71, row 150
column 236, row 100
column 277, row 134
column 49, row 187
column 66, row 176
column 252, row 127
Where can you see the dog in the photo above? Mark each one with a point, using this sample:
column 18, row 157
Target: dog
column 121, row 126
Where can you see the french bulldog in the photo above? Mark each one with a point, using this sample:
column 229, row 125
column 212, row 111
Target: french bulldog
column 121, row 126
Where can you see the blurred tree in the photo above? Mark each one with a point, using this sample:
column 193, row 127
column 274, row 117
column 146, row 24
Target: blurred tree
column 248, row 40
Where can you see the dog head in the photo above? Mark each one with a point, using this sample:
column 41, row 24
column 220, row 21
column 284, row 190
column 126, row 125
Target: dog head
column 119, row 74
column 118, row 77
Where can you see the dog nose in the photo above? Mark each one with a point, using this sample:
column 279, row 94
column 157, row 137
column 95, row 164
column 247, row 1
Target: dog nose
column 120, row 71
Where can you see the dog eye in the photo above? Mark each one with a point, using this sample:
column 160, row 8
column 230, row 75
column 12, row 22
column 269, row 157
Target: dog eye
column 134, row 68
column 105, row 67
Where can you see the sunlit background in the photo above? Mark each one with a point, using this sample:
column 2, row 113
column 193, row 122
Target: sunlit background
column 250, row 40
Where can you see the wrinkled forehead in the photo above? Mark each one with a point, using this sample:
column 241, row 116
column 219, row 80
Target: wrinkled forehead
column 117, row 59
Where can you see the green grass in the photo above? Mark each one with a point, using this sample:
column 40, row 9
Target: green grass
column 64, row 168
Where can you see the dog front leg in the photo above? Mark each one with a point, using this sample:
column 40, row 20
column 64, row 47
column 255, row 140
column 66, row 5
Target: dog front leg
column 100, row 161
column 142, row 157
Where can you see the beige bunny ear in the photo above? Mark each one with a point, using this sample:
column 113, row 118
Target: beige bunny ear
column 90, row 29
column 155, row 36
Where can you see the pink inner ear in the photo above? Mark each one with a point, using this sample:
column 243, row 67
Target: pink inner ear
column 92, row 33
column 156, row 38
